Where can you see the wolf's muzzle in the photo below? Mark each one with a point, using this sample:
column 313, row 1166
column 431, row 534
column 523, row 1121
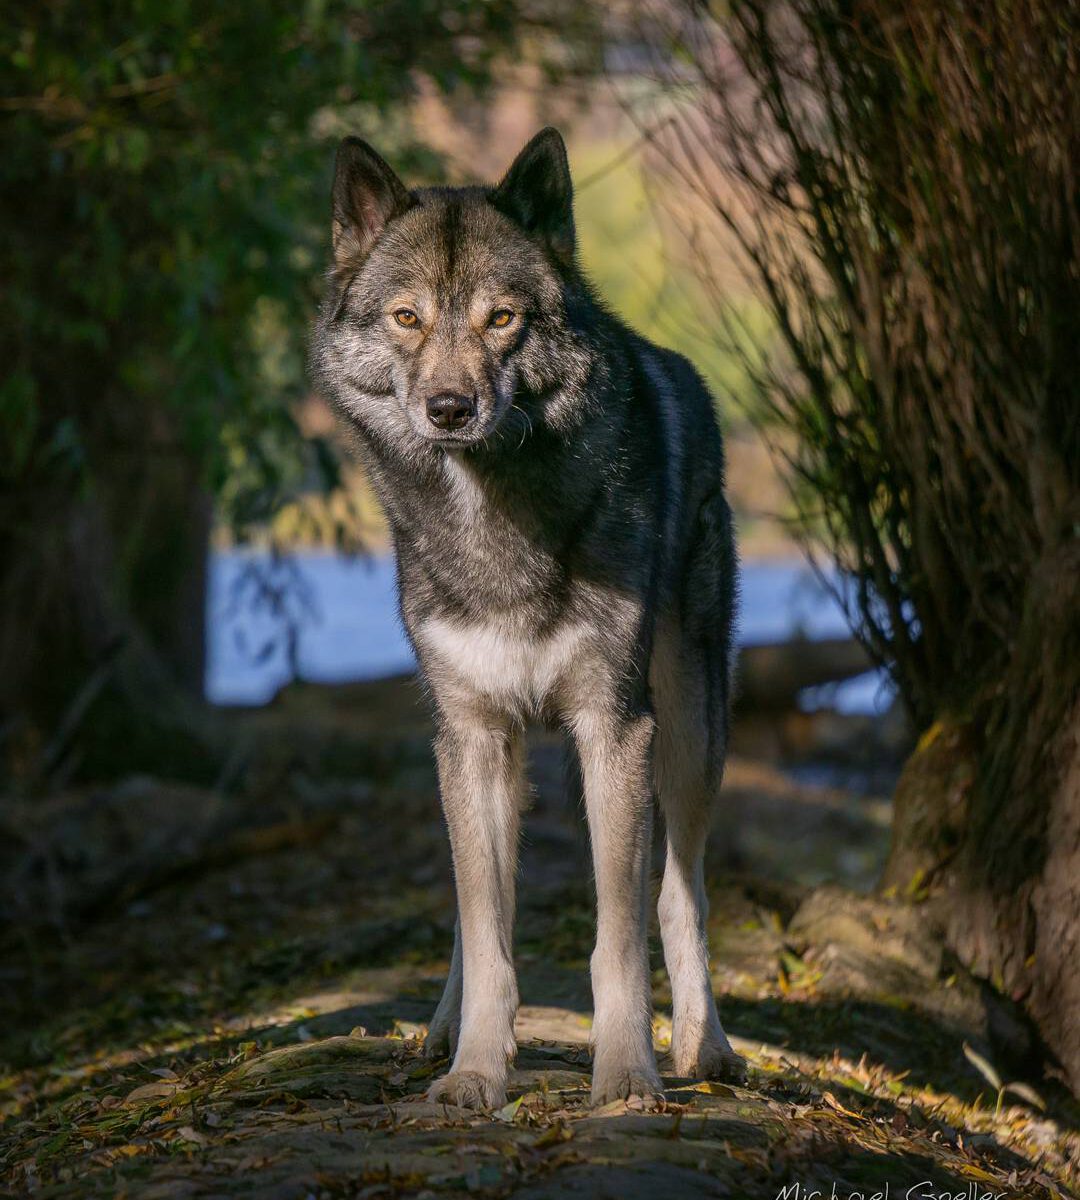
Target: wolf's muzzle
column 450, row 410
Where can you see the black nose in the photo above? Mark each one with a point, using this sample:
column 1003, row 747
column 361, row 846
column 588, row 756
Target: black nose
column 448, row 410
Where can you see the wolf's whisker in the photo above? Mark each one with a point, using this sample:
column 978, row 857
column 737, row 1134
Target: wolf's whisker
column 527, row 431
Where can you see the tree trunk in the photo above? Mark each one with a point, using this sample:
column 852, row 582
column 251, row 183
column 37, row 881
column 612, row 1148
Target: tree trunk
column 987, row 821
column 101, row 649
column 1055, row 903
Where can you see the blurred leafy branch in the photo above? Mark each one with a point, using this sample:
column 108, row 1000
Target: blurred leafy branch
column 164, row 193
column 165, row 179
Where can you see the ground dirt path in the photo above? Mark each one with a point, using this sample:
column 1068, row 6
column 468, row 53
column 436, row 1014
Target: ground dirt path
column 223, row 992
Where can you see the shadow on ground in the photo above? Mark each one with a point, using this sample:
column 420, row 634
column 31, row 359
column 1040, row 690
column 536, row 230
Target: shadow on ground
column 239, row 1010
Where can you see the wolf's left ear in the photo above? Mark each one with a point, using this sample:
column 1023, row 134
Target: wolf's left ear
column 537, row 193
column 367, row 195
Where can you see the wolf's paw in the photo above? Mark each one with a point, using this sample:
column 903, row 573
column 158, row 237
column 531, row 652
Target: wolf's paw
column 712, row 1060
column 620, row 1081
column 469, row 1089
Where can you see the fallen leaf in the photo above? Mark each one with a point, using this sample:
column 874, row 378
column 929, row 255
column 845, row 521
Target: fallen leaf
column 1027, row 1093
column 711, row 1088
column 982, row 1066
column 559, row 1132
column 508, row 1111
column 410, row 1030
column 151, row 1091
column 973, row 1172
column 611, row 1109
column 835, row 1104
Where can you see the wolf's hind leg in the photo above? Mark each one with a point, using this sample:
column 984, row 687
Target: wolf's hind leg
column 688, row 768
column 445, row 1024
column 480, row 779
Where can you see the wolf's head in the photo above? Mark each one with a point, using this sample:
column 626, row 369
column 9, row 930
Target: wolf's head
column 446, row 321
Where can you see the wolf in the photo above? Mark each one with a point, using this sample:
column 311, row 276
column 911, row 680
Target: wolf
column 554, row 485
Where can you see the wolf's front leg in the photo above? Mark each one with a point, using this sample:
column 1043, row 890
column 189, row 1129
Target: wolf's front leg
column 480, row 775
column 615, row 755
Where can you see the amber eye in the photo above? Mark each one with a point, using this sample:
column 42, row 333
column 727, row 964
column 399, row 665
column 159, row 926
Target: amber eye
column 501, row 317
column 406, row 318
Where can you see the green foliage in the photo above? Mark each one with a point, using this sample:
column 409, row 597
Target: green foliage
column 165, row 182
column 625, row 252
column 903, row 191
column 165, row 201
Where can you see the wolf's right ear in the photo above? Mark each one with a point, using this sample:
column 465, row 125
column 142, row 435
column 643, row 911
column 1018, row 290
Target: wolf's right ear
column 537, row 193
column 367, row 195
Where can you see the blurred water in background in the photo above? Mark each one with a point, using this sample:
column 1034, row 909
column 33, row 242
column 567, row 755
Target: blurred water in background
column 329, row 618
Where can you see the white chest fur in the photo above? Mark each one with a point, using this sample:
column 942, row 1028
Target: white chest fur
column 505, row 665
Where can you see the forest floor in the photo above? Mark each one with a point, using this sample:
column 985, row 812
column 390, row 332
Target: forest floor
column 223, row 992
